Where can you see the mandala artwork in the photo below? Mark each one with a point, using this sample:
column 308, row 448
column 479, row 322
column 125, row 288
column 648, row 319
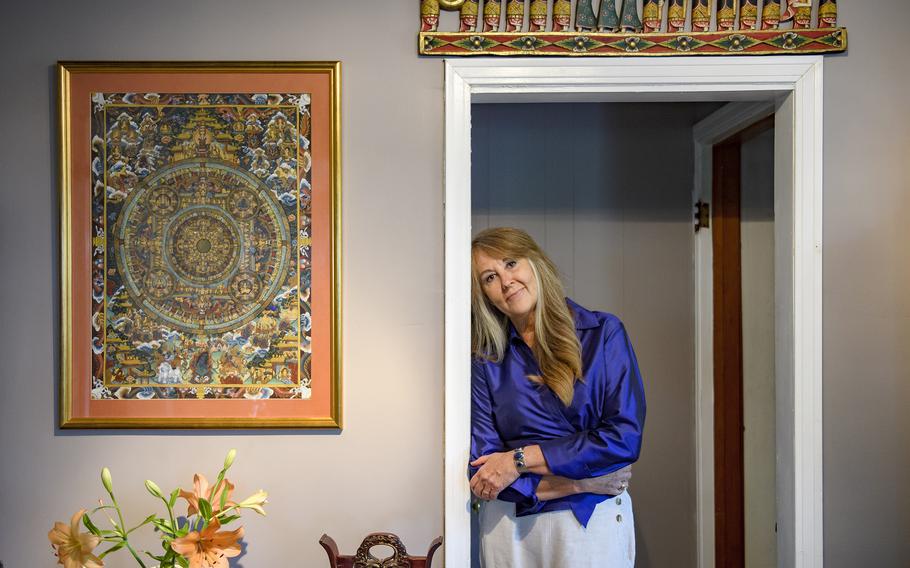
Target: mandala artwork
column 201, row 246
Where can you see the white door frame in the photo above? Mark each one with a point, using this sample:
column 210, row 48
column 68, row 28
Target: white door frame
column 797, row 81
column 720, row 125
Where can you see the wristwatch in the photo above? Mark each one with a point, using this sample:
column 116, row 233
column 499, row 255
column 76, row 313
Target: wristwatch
column 518, row 454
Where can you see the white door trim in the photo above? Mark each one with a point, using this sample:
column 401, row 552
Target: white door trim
column 720, row 125
column 799, row 78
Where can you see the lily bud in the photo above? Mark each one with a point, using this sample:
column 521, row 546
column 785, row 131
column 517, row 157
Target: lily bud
column 106, row 480
column 229, row 459
column 255, row 502
column 153, row 489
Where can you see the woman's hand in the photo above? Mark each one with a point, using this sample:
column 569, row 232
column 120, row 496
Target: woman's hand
column 554, row 486
column 609, row 484
column 497, row 471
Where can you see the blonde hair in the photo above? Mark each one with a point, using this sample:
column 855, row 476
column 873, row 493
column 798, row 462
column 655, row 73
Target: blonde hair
column 556, row 346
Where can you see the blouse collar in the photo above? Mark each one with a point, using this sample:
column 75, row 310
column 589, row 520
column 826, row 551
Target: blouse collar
column 583, row 318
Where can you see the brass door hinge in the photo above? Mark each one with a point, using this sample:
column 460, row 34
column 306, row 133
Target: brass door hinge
column 702, row 215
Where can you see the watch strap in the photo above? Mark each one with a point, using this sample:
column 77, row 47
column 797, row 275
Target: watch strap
column 518, row 454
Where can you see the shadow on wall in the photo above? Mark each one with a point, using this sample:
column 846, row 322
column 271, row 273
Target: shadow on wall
column 580, row 158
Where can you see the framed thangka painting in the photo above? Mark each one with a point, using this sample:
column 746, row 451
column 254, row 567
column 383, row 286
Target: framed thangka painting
column 200, row 245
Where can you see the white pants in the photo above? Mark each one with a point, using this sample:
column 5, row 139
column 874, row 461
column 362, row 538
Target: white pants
column 556, row 539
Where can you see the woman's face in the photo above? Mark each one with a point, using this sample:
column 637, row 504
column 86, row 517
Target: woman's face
column 508, row 283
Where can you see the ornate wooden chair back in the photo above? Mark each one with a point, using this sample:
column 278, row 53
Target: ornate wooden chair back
column 364, row 557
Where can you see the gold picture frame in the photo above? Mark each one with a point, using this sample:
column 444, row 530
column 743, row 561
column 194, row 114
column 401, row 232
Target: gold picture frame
column 200, row 236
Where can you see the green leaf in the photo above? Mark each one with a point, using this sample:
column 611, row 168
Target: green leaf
column 116, row 547
column 183, row 562
column 224, row 496
column 102, row 507
column 168, row 559
column 87, row 521
column 164, row 527
column 205, row 510
column 228, row 519
column 149, row 519
column 218, row 484
column 173, row 499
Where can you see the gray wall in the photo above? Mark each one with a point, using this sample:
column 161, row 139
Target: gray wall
column 606, row 190
column 384, row 471
column 866, row 282
column 392, row 147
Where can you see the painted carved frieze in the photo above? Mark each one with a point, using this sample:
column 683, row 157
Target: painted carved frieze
column 631, row 27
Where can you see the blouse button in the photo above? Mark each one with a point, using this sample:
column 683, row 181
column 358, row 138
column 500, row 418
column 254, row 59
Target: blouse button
column 618, row 518
column 619, row 500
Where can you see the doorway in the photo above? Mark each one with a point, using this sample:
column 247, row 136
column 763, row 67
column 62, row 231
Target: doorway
column 740, row 220
column 605, row 189
column 793, row 85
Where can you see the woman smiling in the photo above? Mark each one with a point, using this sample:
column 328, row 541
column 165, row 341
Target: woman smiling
column 558, row 410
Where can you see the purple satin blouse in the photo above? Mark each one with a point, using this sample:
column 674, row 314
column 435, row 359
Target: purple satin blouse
column 600, row 432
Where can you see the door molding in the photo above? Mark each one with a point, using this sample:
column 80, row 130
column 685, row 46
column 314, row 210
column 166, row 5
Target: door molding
column 794, row 80
column 721, row 124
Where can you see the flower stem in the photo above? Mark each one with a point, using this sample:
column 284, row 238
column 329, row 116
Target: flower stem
column 133, row 552
column 227, row 465
column 123, row 531
column 170, row 514
column 228, row 510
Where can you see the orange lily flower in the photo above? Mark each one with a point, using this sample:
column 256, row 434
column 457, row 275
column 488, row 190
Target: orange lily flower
column 209, row 548
column 74, row 549
column 201, row 490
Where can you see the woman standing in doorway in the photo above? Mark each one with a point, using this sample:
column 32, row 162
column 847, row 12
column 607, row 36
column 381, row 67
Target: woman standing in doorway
column 558, row 409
